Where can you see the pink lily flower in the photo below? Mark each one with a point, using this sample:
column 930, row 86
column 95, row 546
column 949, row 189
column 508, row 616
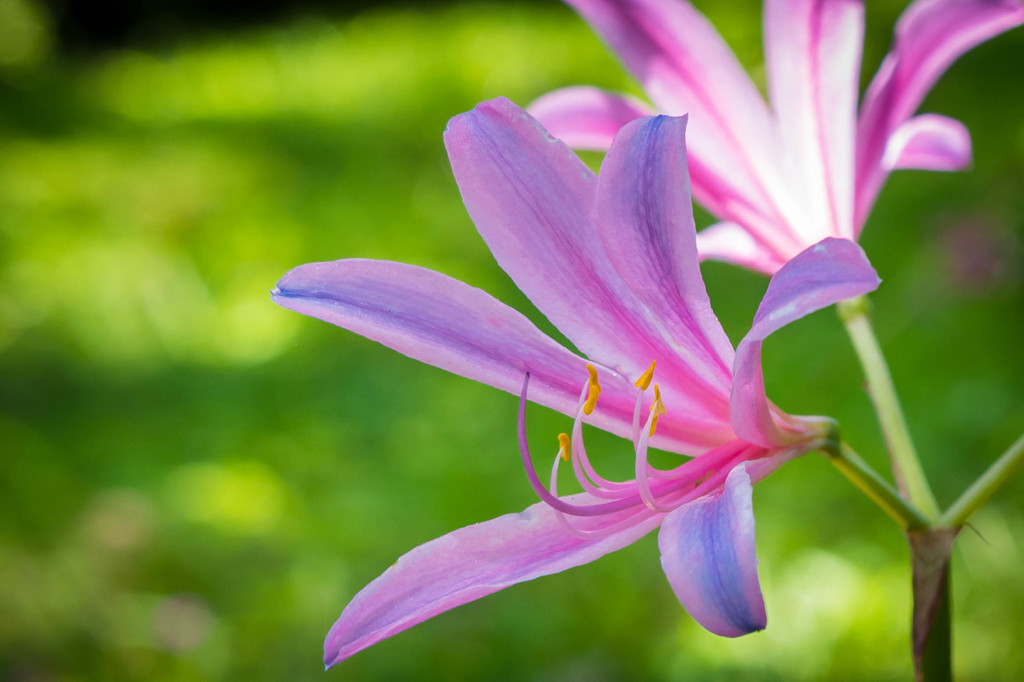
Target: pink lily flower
column 784, row 174
column 612, row 262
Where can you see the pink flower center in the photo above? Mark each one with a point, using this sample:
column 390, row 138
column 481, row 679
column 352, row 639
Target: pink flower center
column 606, row 506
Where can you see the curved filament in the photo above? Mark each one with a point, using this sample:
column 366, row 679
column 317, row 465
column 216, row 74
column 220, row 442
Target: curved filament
column 542, row 492
column 642, row 468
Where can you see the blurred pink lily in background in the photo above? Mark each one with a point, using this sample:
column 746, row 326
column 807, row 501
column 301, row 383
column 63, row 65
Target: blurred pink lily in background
column 611, row 261
column 784, row 174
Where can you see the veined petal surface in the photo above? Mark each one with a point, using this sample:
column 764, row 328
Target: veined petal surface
column 828, row 272
column 443, row 322
column 586, row 117
column 473, row 562
column 645, row 218
column 531, row 198
column 709, row 556
column 813, row 52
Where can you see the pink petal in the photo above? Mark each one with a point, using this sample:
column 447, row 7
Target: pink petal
column 471, row 563
column 826, row 273
column 930, row 36
column 438, row 320
column 532, row 200
column 531, row 197
column 686, row 67
column 929, row 142
column 813, row 50
column 585, row 117
column 732, row 243
column 709, row 556
column 645, row 219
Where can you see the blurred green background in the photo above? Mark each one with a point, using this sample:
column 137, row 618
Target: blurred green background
column 193, row 482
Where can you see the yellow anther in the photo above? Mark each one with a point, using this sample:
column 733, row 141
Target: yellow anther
column 563, row 446
column 657, row 407
column 593, row 391
column 645, row 379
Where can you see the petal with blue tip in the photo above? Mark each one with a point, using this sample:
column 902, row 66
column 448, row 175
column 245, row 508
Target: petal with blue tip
column 708, row 554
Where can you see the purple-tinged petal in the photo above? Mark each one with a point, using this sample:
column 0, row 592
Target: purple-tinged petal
column 585, row 117
column 709, row 556
column 813, row 50
column 531, row 197
column 930, row 36
column 473, row 562
column 929, row 142
column 532, row 200
column 487, row 557
column 645, row 218
column 732, row 243
column 438, row 320
column 686, row 68
column 826, row 273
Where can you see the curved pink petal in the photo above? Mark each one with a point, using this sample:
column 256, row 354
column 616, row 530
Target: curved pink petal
column 586, row 117
column 930, row 36
column 709, row 556
column 826, row 273
column 731, row 243
column 645, row 218
column 473, row 562
column 443, row 322
column 929, row 142
column 813, row 51
column 686, row 68
column 532, row 200
column 531, row 197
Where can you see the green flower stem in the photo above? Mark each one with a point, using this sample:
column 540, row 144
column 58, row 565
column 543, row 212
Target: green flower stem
column 874, row 486
column 981, row 490
column 905, row 463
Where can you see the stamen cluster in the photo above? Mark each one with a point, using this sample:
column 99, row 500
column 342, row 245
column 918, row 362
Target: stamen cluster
column 619, row 504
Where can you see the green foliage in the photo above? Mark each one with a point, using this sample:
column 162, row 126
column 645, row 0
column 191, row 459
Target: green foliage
column 194, row 482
